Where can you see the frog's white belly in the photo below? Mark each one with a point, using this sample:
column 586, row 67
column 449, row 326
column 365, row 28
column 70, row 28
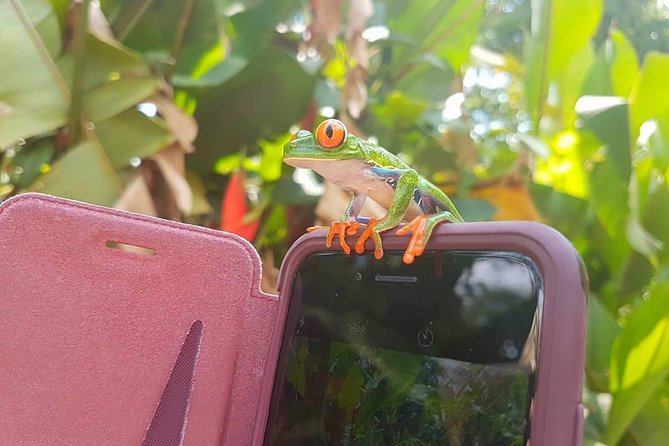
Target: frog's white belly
column 355, row 176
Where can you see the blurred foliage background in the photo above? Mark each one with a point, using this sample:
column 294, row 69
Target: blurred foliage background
column 556, row 111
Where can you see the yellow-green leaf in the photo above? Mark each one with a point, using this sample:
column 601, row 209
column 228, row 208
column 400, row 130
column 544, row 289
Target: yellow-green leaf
column 650, row 95
column 639, row 360
column 624, row 64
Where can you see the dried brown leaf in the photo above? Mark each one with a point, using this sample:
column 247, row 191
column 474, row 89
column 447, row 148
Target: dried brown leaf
column 97, row 22
column 325, row 26
column 270, row 273
column 355, row 91
column 137, row 197
column 182, row 126
column 201, row 205
column 512, row 200
column 355, row 88
column 359, row 13
column 171, row 162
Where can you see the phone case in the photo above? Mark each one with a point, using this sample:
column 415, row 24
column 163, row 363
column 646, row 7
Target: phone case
column 100, row 346
column 556, row 412
column 177, row 344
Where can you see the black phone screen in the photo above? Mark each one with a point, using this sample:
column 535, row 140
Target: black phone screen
column 376, row 352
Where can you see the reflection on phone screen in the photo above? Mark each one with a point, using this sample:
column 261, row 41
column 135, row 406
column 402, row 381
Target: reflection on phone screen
column 440, row 352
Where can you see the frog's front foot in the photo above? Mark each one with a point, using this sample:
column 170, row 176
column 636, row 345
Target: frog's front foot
column 418, row 240
column 340, row 228
column 370, row 231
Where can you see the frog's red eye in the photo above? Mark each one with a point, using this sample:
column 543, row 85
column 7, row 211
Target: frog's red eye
column 331, row 133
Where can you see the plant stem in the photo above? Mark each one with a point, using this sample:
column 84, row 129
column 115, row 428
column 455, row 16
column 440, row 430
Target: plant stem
column 129, row 17
column 182, row 26
column 79, row 48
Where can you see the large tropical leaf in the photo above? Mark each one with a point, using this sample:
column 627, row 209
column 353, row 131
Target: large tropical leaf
column 261, row 101
column 33, row 96
column 35, row 101
column 561, row 30
column 639, row 360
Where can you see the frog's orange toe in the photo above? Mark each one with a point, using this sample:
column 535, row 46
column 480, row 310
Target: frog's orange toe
column 353, row 227
column 367, row 233
column 340, row 229
column 417, row 242
column 408, row 258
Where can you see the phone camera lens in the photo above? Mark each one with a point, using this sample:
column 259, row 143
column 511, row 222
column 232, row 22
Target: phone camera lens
column 425, row 337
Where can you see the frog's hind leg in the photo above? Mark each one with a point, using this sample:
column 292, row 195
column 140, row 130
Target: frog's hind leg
column 421, row 228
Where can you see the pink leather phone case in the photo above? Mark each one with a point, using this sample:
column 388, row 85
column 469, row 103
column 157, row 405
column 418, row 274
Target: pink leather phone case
column 100, row 346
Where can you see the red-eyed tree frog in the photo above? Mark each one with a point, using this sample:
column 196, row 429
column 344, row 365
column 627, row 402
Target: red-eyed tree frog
column 368, row 170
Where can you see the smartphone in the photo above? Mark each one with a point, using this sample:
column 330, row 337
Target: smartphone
column 454, row 349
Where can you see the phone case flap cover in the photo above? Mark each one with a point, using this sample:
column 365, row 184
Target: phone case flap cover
column 105, row 345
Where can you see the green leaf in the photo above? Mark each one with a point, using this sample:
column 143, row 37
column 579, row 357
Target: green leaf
column 602, row 332
column 650, row 428
column 288, row 191
column 655, row 217
column 608, row 196
column 250, row 31
column 273, row 230
column 571, row 81
column 114, row 97
column 151, row 27
column 61, row 8
column 84, row 174
column 535, row 81
column 624, row 64
column 32, row 159
column 658, row 142
column 567, row 213
column 254, row 28
column 105, row 60
column 445, row 28
column 129, row 135
column 228, row 164
column 261, row 101
column 572, row 25
column 548, row 50
column 216, row 75
column 33, row 96
column 46, row 24
column 473, row 209
column 399, row 110
column 272, row 158
column 609, row 122
column 650, row 95
column 35, row 99
column 639, row 360
column 457, row 31
column 598, row 80
column 636, row 275
column 428, row 81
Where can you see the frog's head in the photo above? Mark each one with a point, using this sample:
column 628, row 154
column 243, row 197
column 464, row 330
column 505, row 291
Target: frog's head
column 331, row 141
